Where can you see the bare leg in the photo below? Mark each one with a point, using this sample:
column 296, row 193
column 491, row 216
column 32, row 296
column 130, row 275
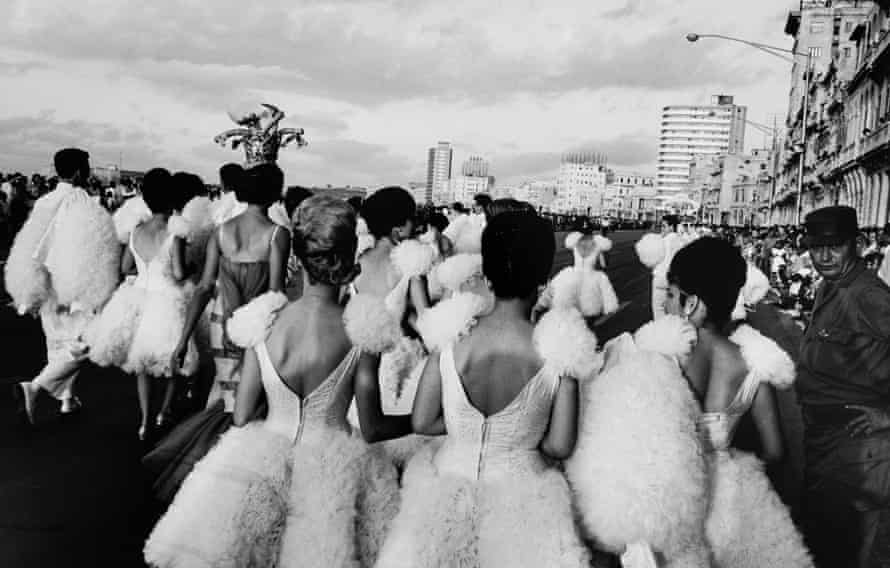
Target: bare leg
column 143, row 384
column 170, row 388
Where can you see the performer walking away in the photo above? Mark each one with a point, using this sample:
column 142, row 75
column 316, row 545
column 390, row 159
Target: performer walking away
column 844, row 389
column 732, row 371
column 488, row 497
column 246, row 257
column 656, row 252
column 64, row 262
column 137, row 328
column 295, row 489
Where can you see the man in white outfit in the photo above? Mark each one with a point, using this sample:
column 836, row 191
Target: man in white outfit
column 97, row 251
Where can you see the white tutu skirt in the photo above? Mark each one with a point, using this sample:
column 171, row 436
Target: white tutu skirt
column 748, row 525
column 343, row 496
column 231, row 509
column 523, row 520
column 139, row 329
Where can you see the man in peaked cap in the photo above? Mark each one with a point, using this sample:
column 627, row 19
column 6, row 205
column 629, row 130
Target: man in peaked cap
column 844, row 390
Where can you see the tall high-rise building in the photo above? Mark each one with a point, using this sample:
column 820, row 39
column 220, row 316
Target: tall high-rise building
column 690, row 130
column 438, row 169
column 475, row 166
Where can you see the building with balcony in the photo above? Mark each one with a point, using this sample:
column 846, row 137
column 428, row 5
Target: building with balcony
column 581, row 183
column 621, row 188
column 687, row 131
column 827, row 30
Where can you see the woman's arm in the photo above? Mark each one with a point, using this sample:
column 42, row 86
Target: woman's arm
column 562, row 433
column 278, row 257
column 127, row 262
column 376, row 426
column 197, row 305
column 766, row 417
column 418, row 294
column 427, row 416
column 178, row 258
column 250, row 389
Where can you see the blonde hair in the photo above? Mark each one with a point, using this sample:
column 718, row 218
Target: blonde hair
column 324, row 240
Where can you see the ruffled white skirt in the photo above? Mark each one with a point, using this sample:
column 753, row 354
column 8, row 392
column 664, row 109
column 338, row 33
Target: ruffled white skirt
column 446, row 520
column 139, row 328
column 748, row 525
column 231, row 509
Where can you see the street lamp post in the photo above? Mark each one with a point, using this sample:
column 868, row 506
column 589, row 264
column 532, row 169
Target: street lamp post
column 772, row 50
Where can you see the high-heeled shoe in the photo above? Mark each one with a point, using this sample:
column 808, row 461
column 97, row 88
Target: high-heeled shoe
column 163, row 419
column 143, row 433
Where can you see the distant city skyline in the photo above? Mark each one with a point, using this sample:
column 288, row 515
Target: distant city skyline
column 104, row 77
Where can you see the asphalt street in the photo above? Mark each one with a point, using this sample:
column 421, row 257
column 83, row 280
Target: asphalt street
column 73, row 493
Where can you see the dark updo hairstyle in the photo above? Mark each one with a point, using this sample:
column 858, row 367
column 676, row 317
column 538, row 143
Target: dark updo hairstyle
column 325, row 241
column 158, row 191
column 517, row 253
column 293, row 197
column 507, row 204
column 387, row 209
column 231, row 176
column 712, row 269
column 186, row 186
column 263, row 185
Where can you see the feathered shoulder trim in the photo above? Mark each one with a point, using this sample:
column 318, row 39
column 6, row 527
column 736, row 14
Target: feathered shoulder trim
column 602, row 243
column 565, row 288
column 369, row 325
column 765, row 359
column 668, row 335
column 457, row 270
column 196, row 218
column 133, row 212
column 567, row 345
column 249, row 324
column 450, row 319
column 412, row 258
column 651, row 250
column 278, row 215
column 572, row 239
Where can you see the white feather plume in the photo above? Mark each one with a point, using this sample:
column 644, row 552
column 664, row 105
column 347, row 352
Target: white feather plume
column 278, row 214
column 567, row 345
column 457, row 270
column 412, row 258
column 130, row 214
column 250, row 323
column 450, row 319
column 198, row 213
column 602, row 243
column 755, row 289
column 650, row 250
column 565, row 288
column 572, row 239
column 369, row 325
column 179, row 226
column 764, row 358
column 668, row 335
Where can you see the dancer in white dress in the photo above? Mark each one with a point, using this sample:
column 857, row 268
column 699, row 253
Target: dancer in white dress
column 298, row 488
column 733, row 374
column 137, row 329
column 489, row 496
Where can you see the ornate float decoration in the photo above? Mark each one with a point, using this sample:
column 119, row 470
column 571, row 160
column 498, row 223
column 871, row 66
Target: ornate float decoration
column 259, row 134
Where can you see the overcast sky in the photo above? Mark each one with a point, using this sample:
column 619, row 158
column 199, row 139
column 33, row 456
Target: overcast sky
column 374, row 83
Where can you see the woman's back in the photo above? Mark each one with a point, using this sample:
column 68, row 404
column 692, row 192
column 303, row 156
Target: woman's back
column 494, row 364
column 312, row 355
column 378, row 276
column 247, row 238
column 716, row 371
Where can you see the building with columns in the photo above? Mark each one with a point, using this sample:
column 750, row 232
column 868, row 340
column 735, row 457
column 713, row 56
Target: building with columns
column 845, row 39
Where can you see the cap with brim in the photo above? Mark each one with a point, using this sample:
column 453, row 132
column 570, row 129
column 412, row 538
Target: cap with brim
column 831, row 226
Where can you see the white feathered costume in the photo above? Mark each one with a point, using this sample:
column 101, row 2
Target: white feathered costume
column 656, row 252
column 140, row 325
column 379, row 322
column 296, row 489
column 64, row 261
column 490, row 499
column 748, row 526
column 582, row 286
column 638, row 471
